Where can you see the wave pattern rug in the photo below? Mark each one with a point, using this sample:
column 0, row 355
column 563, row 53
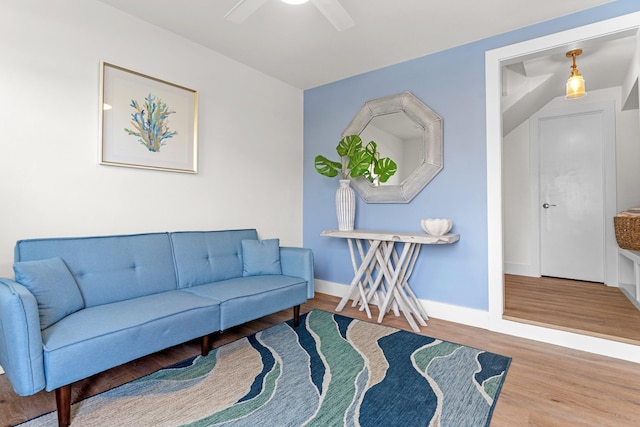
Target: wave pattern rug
column 330, row 371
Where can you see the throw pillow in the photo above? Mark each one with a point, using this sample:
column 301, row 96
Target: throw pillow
column 54, row 287
column 261, row 257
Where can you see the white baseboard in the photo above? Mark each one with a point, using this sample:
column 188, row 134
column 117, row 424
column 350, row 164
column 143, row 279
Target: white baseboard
column 330, row 288
column 520, row 270
column 451, row 313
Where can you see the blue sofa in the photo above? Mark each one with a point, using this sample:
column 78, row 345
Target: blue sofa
column 79, row 306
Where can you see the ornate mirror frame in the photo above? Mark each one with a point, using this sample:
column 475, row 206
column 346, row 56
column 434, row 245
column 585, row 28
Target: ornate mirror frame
column 432, row 162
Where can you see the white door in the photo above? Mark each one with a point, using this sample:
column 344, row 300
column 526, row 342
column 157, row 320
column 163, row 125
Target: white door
column 572, row 196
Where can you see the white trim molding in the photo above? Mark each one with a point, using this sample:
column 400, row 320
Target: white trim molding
column 494, row 61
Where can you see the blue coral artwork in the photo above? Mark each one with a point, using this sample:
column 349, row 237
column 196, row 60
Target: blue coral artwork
column 150, row 123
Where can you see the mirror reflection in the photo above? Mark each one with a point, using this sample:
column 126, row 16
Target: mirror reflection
column 407, row 131
column 399, row 138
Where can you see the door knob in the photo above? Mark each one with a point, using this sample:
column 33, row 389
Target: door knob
column 547, row 205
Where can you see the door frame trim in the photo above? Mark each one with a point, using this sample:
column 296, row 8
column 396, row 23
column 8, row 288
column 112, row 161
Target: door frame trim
column 607, row 108
column 495, row 59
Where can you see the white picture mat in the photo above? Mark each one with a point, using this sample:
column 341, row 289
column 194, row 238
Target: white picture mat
column 119, row 88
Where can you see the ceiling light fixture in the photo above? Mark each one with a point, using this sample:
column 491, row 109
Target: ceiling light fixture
column 294, row 1
column 575, row 84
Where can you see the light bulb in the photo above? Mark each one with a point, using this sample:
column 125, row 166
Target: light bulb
column 575, row 87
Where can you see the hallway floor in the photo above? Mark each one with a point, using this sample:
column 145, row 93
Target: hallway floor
column 583, row 307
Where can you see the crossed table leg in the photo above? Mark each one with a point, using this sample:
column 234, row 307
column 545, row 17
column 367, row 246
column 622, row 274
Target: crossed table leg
column 382, row 275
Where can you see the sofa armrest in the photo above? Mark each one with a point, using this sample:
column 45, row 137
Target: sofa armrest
column 298, row 262
column 21, row 354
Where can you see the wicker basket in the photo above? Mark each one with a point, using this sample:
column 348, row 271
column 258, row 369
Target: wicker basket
column 627, row 231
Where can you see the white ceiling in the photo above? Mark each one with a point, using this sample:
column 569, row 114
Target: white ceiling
column 297, row 45
column 530, row 84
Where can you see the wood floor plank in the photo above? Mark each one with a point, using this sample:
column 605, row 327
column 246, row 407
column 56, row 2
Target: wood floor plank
column 546, row 385
column 583, row 307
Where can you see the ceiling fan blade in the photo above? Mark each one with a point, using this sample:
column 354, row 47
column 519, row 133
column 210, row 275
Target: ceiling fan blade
column 335, row 13
column 243, row 9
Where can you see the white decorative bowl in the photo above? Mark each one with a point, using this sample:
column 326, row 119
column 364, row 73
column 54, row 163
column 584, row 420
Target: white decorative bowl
column 436, row 227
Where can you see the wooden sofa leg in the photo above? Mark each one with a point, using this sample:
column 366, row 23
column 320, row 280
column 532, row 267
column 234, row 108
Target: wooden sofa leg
column 206, row 345
column 296, row 315
column 63, row 402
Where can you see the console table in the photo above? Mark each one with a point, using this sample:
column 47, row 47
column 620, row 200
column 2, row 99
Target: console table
column 382, row 275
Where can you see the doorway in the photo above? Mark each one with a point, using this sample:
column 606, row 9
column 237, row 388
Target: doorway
column 613, row 28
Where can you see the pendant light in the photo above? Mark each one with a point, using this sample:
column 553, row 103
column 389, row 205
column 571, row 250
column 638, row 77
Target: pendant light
column 575, row 84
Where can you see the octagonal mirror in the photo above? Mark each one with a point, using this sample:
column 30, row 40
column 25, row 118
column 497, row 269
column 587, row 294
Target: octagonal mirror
column 407, row 131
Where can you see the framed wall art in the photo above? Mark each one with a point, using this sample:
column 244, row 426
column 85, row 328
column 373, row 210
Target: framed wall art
column 146, row 122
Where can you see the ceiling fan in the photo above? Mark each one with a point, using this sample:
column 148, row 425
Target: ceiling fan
column 331, row 9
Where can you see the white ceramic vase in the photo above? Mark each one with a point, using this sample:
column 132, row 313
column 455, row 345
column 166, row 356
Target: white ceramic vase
column 345, row 205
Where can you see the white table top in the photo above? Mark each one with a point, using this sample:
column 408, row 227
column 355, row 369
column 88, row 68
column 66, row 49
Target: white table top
column 394, row 236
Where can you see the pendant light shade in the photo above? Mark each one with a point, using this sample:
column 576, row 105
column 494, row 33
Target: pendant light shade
column 575, row 84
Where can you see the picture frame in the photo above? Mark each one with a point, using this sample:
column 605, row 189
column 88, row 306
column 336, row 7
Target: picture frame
column 146, row 122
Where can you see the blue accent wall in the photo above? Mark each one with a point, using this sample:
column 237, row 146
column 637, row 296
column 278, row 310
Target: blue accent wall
column 452, row 83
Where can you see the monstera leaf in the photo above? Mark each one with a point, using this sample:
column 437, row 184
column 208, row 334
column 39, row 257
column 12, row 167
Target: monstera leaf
column 356, row 160
column 379, row 170
column 385, row 168
column 349, row 145
column 327, row 167
column 359, row 163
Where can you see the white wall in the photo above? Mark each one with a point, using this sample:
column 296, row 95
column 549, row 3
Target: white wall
column 516, row 179
column 250, row 133
column 517, row 206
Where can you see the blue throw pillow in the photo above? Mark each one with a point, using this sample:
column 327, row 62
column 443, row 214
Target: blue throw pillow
column 261, row 257
column 54, row 287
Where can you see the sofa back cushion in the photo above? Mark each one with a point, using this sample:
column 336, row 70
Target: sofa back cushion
column 209, row 256
column 109, row 268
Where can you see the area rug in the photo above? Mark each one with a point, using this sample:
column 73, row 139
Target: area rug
column 330, row 371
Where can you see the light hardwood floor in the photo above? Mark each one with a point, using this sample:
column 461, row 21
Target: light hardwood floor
column 583, row 307
column 546, row 385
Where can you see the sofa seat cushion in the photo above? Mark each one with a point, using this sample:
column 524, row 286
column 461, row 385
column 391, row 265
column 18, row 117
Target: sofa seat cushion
column 100, row 337
column 248, row 298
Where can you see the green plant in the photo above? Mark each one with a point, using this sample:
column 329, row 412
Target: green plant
column 357, row 160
